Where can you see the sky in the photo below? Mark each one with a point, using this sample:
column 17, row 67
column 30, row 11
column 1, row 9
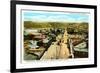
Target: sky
column 47, row 16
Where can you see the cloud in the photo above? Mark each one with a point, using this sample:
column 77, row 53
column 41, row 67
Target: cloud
column 55, row 16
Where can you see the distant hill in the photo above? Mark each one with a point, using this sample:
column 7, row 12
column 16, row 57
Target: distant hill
column 71, row 27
